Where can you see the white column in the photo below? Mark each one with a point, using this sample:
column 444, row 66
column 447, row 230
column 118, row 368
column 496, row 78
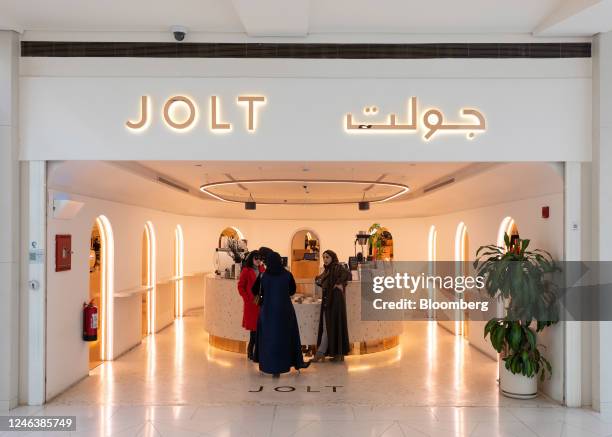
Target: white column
column 33, row 283
column 573, row 252
column 9, row 221
column 602, row 210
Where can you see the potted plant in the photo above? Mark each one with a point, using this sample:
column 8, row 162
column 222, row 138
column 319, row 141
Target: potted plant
column 379, row 238
column 521, row 279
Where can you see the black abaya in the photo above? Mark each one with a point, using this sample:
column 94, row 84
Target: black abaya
column 278, row 344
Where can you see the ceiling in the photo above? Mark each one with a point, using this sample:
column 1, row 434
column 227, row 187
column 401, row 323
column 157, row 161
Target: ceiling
column 302, row 18
column 304, row 191
column 137, row 183
column 361, row 180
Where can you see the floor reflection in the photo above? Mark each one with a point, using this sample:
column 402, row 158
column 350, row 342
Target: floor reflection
column 430, row 367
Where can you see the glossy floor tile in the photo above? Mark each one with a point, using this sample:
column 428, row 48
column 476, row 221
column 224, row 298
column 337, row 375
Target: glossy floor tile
column 434, row 384
column 431, row 367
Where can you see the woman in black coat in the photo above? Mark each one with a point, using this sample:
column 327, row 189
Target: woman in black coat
column 278, row 343
column 333, row 339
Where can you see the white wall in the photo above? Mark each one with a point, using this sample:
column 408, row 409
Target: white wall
column 601, row 210
column 535, row 109
column 67, row 354
column 10, row 219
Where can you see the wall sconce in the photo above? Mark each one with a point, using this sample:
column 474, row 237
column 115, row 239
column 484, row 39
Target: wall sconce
column 364, row 206
column 250, row 205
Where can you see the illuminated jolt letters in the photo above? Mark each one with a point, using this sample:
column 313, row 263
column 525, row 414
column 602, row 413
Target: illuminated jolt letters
column 172, row 121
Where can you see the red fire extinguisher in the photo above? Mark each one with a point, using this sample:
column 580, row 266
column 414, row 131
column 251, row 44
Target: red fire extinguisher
column 90, row 322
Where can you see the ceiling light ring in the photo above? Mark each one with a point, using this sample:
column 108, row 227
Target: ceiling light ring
column 402, row 189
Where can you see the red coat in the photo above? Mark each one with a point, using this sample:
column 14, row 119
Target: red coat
column 251, row 311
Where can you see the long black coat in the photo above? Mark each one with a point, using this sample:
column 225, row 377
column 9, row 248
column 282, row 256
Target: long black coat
column 278, row 336
column 333, row 311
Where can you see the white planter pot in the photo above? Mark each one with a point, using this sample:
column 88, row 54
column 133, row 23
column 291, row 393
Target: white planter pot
column 516, row 386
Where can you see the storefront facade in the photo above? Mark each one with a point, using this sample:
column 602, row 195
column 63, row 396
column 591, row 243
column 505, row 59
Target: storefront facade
column 553, row 109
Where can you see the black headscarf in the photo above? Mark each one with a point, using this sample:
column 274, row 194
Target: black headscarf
column 249, row 260
column 264, row 252
column 334, row 258
column 274, row 264
column 333, row 273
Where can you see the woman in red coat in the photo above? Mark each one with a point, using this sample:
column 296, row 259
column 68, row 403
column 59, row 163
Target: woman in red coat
column 248, row 275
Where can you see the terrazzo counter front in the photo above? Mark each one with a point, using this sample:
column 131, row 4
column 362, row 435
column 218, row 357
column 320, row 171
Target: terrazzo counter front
column 223, row 320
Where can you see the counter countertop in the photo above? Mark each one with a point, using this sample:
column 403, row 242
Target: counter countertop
column 223, row 314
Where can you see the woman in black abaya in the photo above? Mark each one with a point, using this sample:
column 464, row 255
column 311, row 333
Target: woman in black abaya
column 279, row 345
column 333, row 338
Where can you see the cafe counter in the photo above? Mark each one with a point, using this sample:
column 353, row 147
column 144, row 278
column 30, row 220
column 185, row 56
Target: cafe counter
column 223, row 318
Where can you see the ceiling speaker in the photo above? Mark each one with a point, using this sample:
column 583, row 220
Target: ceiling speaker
column 364, row 206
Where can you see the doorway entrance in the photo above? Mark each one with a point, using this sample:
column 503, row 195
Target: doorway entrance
column 101, row 289
column 432, row 227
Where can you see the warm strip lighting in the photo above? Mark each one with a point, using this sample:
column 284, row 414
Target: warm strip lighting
column 432, row 240
column 107, row 281
column 152, row 276
column 179, row 249
column 402, row 189
column 504, row 228
column 460, row 240
column 432, row 256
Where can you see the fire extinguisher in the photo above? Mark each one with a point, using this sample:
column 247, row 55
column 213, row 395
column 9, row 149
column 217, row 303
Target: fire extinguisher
column 90, row 322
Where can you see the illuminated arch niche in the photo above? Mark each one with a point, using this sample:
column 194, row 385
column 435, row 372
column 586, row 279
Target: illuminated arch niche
column 432, row 242
column 150, row 274
column 230, row 232
column 462, row 259
column 107, row 291
column 507, row 226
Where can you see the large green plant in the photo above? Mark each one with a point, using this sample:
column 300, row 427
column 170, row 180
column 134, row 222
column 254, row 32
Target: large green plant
column 521, row 278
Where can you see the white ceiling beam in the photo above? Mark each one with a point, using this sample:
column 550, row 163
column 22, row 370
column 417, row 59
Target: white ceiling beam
column 577, row 18
column 274, row 17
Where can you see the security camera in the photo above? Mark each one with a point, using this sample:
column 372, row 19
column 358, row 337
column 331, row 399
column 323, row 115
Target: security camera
column 179, row 32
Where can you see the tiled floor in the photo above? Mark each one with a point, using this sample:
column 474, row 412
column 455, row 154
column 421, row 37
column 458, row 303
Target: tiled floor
column 432, row 385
